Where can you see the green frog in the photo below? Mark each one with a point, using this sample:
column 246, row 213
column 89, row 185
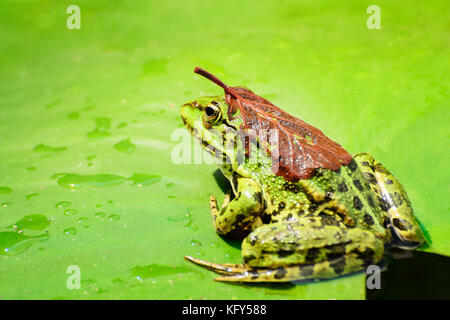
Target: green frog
column 337, row 222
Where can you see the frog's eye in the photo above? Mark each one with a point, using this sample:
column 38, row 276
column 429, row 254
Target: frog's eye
column 212, row 113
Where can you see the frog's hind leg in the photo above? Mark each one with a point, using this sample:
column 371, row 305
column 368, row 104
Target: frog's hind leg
column 241, row 273
column 394, row 202
column 309, row 248
column 304, row 272
column 306, row 248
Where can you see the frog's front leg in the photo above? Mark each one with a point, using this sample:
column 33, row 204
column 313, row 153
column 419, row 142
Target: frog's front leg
column 393, row 200
column 239, row 216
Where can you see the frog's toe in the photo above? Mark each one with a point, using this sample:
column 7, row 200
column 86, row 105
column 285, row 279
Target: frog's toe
column 242, row 277
column 213, row 206
column 226, row 200
column 225, row 268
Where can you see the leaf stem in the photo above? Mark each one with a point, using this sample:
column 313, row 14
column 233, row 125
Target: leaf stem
column 213, row 78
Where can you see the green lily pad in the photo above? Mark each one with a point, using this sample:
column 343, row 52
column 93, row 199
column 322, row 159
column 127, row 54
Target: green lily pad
column 71, row 99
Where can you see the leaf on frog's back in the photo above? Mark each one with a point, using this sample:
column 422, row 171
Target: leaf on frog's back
column 302, row 148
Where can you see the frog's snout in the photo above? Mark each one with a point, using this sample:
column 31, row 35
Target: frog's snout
column 189, row 114
column 184, row 110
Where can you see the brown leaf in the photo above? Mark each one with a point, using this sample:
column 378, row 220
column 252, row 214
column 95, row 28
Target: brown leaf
column 302, row 148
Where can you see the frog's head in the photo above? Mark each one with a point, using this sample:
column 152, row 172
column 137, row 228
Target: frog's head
column 207, row 120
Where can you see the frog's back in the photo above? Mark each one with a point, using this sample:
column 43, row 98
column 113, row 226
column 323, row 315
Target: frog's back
column 343, row 195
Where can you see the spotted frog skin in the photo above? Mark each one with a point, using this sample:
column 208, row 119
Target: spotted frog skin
column 336, row 223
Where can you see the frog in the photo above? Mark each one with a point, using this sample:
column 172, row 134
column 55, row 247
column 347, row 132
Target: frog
column 335, row 223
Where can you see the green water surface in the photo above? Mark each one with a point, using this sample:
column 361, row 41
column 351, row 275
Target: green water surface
column 87, row 117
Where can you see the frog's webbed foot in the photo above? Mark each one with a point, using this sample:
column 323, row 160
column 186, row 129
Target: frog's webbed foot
column 224, row 268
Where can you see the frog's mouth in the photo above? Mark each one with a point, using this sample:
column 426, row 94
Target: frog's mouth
column 197, row 136
column 188, row 126
column 199, row 133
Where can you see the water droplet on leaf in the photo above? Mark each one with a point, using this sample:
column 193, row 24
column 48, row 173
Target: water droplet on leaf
column 14, row 243
column 29, row 196
column 114, row 217
column 100, row 215
column 63, row 204
column 196, row 243
column 70, row 232
column 82, row 220
column 77, row 181
column 32, row 222
column 70, row 212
